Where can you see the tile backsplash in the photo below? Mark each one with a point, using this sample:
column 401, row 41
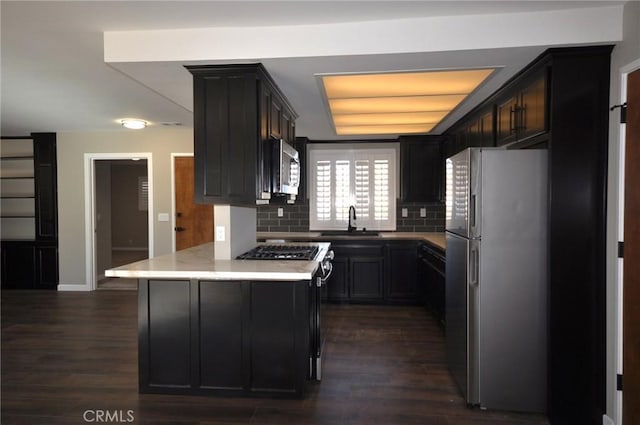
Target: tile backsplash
column 295, row 218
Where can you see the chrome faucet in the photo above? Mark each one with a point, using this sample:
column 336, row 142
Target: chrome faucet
column 352, row 219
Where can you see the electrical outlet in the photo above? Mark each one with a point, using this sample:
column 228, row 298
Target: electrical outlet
column 280, row 212
column 405, row 212
column 423, row 212
column 220, row 234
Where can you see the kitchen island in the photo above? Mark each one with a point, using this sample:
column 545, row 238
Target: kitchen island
column 230, row 327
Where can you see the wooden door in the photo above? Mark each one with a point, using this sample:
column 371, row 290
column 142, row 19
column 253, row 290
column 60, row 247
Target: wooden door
column 631, row 273
column 194, row 222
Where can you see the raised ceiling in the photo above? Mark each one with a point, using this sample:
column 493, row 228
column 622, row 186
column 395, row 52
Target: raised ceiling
column 83, row 66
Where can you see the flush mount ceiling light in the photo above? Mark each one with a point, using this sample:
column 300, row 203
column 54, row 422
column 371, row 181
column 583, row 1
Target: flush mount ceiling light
column 133, row 123
column 399, row 102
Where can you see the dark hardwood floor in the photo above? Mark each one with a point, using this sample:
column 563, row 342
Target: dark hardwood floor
column 68, row 356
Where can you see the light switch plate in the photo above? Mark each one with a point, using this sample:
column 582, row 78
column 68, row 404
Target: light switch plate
column 423, row 212
column 405, row 212
column 220, row 234
column 280, row 212
column 163, row 217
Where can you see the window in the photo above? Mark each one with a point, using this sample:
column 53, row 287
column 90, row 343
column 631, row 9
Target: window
column 143, row 193
column 362, row 177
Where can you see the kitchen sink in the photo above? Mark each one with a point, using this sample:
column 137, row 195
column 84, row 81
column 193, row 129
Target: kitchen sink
column 345, row 233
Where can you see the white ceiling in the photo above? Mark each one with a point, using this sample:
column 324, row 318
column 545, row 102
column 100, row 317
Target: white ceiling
column 55, row 77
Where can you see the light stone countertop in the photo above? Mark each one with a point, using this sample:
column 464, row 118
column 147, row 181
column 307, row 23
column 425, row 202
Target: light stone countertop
column 436, row 239
column 198, row 263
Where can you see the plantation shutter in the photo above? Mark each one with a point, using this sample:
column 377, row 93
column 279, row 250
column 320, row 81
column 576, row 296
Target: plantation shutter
column 359, row 177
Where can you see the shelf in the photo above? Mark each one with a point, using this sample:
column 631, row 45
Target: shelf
column 17, row 196
column 16, row 148
column 17, row 207
column 17, row 168
column 18, row 228
column 8, row 157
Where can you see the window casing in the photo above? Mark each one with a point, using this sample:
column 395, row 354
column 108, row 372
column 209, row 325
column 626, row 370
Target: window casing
column 364, row 178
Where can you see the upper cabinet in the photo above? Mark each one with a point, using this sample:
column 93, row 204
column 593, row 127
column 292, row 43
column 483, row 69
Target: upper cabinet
column 523, row 113
column 516, row 113
column 421, row 168
column 238, row 111
column 478, row 131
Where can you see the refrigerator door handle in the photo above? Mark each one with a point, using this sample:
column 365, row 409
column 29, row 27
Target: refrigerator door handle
column 473, row 211
column 473, row 267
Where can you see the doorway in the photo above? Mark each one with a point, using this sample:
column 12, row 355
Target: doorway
column 119, row 215
column 192, row 223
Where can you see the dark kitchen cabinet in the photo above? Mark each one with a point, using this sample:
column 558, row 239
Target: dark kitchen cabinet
column 421, row 165
column 432, row 264
column 238, row 110
column 478, row 131
column 522, row 114
column 223, row 337
column 18, row 265
column 366, row 278
column 358, row 272
column 30, row 211
column 402, row 284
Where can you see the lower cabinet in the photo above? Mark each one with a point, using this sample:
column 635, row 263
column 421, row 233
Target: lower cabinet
column 29, row 265
column 358, row 272
column 431, row 272
column 223, row 337
column 374, row 271
column 402, row 272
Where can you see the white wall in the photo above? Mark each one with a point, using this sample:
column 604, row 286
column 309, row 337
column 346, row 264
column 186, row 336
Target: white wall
column 161, row 142
column 625, row 53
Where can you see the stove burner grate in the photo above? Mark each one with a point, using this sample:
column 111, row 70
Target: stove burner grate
column 280, row 252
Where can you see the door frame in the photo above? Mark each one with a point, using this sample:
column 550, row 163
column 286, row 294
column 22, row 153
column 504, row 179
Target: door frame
column 90, row 206
column 619, row 321
column 175, row 155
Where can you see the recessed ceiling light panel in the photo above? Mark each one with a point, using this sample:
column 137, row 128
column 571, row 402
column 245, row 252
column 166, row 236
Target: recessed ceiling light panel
column 399, row 102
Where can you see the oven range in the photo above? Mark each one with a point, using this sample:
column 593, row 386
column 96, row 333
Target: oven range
column 316, row 306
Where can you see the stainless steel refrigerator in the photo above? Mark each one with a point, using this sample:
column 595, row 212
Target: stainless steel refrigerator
column 496, row 276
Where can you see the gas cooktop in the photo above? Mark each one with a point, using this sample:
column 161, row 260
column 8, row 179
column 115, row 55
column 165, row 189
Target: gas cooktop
column 280, row 252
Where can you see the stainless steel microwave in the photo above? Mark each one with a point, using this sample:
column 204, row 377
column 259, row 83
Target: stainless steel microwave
column 285, row 168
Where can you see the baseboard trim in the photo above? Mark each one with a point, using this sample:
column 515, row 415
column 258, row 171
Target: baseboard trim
column 130, row 248
column 606, row 420
column 68, row 287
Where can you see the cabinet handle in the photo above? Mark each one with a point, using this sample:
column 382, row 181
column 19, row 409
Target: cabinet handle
column 513, row 126
column 522, row 124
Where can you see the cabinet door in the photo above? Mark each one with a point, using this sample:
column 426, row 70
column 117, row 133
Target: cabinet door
column 263, row 183
column 226, row 133
column 366, row 278
column 165, row 330
column 18, row 265
column 486, row 130
column 403, row 271
column 287, row 127
column 275, row 118
column 533, row 109
column 46, row 205
column 279, row 336
column 47, row 267
column 421, row 170
column 337, row 287
column 506, row 121
column 220, row 330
